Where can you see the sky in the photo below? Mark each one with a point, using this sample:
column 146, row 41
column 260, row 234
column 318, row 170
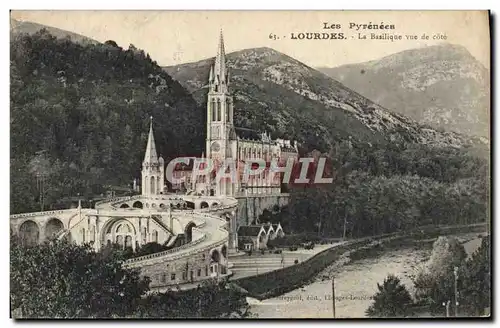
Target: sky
column 174, row 37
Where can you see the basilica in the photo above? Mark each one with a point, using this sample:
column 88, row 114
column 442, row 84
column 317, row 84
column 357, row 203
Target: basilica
column 224, row 141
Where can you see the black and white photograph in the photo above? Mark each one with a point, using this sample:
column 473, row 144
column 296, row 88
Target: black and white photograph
column 250, row 164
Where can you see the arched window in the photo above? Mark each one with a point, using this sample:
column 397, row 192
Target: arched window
column 83, row 234
column 212, row 106
column 155, row 236
column 92, row 233
column 219, row 116
column 128, row 241
column 119, row 240
column 228, row 110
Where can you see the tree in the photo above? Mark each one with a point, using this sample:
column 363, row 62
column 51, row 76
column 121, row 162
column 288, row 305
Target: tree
column 435, row 284
column 475, row 287
column 63, row 280
column 391, row 301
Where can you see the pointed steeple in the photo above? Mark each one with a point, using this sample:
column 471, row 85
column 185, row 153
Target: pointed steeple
column 151, row 156
column 211, row 76
column 220, row 60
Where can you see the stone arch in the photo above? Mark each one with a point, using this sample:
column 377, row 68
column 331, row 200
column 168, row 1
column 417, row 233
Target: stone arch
column 138, row 204
column 224, row 251
column 190, row 205
column 124, row 206
column 117, row 227
column 203, row 204
column 188, row 231
column 52, row 227
column 215, row 256
column 29, row 233
column 214, row 204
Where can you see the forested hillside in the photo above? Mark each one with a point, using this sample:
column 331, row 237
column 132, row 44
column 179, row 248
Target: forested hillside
column 80, row 116
column 381, row 189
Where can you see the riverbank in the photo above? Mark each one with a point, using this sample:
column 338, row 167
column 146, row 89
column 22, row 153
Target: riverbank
column 355, row 282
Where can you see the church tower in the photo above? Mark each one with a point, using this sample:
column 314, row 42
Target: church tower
column 221, row 138
column 152, row 168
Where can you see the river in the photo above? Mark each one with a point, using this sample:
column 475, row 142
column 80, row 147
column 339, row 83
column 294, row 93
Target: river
column 355, row 284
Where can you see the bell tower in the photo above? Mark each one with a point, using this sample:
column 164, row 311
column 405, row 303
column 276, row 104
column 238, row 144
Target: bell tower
column 152, row 168
column 221, row 137
column 220, row 128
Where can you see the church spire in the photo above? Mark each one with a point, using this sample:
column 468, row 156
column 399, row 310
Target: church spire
column 220, row 61
column 151, row 157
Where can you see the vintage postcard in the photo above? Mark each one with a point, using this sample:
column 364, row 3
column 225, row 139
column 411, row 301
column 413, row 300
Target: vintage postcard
column 250, row 164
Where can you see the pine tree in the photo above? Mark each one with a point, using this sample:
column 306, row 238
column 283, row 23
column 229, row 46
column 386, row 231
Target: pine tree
column 391, row 301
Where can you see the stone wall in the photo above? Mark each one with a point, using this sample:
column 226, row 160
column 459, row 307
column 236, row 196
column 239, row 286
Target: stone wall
column 251, row 206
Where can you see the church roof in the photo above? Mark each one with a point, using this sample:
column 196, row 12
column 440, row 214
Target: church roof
column 245, row 133
column 268, row 227
column 151, row 156
column 249, row 231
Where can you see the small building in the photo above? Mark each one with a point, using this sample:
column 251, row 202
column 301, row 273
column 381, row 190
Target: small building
column 255, row 237
column 252, row 237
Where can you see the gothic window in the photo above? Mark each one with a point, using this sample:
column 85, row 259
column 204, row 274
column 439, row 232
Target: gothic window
column 227, row 110
column 83, row 234
column 144, row 234
column 119, row 240
column 219, row 116
column 128, row 241
column 213, row 109
column 172, row 276
column 155, row 236
column 92, row 233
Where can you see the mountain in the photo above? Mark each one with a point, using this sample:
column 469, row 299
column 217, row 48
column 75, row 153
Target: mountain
column 84, row 111
column 443, row 86
column 25, row 27
column 277, row 93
